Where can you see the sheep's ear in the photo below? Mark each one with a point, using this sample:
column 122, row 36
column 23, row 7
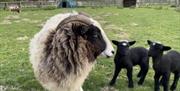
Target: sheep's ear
column 115, row 42
column 132, row 43
column 80, row 30
column 149, row 42
column 166, row 48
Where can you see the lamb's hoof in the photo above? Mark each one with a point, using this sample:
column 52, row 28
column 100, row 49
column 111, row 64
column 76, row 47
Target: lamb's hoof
column 172, row 88
column 131, row 86
column 140, row 83
column 139, row 75
column 161, row 82
column 111, row 83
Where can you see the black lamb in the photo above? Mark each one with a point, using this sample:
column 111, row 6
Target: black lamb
column 163, row 65
column 127, row 58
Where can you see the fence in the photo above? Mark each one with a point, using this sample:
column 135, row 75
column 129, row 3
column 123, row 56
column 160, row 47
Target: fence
column 92, row 3
column 121, row 2
column 158, row 2
column 29, row 4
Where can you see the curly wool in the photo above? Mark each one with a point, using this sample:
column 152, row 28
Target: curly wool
column 61, row 60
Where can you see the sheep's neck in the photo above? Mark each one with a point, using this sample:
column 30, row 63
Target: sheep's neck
column 121, row 57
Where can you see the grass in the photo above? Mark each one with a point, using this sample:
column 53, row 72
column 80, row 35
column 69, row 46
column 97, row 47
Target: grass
column 137, row 24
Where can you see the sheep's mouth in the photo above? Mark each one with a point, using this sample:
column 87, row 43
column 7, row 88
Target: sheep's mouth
column 108, row 56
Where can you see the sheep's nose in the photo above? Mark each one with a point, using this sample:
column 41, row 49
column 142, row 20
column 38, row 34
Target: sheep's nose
column 112, row 52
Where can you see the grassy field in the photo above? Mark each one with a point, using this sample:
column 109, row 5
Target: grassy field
column 138, row 24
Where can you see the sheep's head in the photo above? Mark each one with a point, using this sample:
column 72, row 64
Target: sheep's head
column 93, row 36
column 123, row 46
column 91, row 31
column 156, row 48
column 109, row 50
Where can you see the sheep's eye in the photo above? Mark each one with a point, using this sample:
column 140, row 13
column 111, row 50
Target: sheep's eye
column 95, row 36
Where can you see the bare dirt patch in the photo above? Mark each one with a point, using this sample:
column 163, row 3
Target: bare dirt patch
column 12, row 17
column 107, row 88
column 5, row 22
column 133, row 24
column 26, row 19
column 22, row 38
column 7, row 88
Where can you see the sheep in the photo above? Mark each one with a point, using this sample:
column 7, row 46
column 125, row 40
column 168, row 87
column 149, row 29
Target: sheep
column 63, row 53
column 127, row 58
column 14, row 8
column 163, row 65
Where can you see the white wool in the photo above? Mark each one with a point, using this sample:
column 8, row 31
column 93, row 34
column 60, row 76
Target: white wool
column 37, row 45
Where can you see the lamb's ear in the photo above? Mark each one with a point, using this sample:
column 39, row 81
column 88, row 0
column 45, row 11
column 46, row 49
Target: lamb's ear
column 115, row 42
column 149, row 42
column 132, row 43
column 166, row 48
column 80, row 30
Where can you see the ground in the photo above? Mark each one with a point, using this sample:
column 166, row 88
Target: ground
column 140, row 24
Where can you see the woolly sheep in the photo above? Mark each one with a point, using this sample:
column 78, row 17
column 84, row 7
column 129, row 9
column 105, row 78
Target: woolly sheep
column 14, row 8
column 64, row 51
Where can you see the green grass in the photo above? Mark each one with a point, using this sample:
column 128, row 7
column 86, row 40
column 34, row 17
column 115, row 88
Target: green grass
column 137, row 24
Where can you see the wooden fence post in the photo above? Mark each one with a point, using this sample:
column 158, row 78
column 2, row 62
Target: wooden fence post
column 178, row 3
column 5, row 5
column 20, row 4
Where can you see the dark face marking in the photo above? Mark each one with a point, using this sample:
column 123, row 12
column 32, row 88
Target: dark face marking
column 93, row 35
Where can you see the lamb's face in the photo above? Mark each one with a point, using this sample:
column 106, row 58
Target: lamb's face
column 123, row 46
column 156, row 49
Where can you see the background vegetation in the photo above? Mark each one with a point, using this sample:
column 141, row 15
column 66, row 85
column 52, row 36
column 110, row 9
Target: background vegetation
column 140, row 24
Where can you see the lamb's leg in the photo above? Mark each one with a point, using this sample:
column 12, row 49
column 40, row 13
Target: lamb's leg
column 116, row 72
column 144, row 68
column 166, row 81
column 140, row 73
column 145, row 63
column 129, row 75
column 156, row 81
column 161, row 81
column 176, row 78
